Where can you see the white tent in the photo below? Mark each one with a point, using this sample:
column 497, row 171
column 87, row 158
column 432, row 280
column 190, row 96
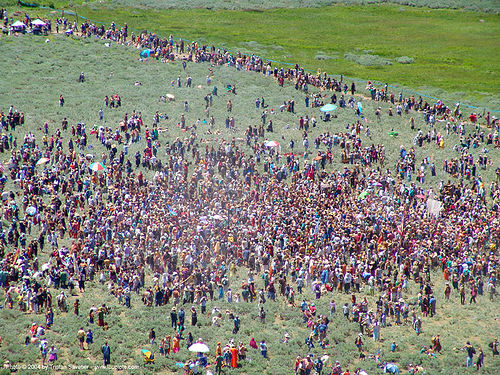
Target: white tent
column 18, row 24
column 38, row 22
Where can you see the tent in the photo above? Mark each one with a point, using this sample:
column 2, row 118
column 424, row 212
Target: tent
column 38, row 22
column 18, row 26
column 146, row 53
column 271, row 144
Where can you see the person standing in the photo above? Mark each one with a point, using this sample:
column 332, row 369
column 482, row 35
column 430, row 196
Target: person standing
column 462, row 294
column 90, row 338
column 106, row 353
column 76, row 307
column 359, row 343
column 219, row 360
column 494, row 347
column 418, row 326
column 480, row 359
column 332, row 307
column 263, row 348
column 473, row 294
column 181, row 316
column 173, row 317
column 236, row 324
column 194, row 316
column 81, row 337
column 376, row 331
column 234, row 356
column 491, row 290
column 262, row 315
column 43, row 350
column 152, row 336
column 470, row 354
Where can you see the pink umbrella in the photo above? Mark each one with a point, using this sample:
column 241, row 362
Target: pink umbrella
column 271, row 144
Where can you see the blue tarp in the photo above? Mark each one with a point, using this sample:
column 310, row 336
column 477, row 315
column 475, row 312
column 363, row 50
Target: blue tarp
column 391, row 368
column 146, row 53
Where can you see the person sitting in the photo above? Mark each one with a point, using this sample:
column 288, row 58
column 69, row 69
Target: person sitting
column 203, row 361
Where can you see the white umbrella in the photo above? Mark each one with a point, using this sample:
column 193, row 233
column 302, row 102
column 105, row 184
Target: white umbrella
column 217, row 217
column 170, row 96
column 328, row 108
column 31, row 210
column 42, row 161
column 199, row 347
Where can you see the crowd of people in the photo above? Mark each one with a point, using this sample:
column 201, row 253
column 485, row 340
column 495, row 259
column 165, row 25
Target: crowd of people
column 210, row 210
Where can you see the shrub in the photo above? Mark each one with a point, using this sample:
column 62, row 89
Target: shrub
column 323, row 56
column 367, row 59
column 404, row 60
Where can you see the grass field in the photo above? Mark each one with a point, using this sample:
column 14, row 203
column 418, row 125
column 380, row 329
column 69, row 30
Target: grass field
column 474, row 323
column 39, row 72
column 452, row 53
column 482, row 5
column 491, row 6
